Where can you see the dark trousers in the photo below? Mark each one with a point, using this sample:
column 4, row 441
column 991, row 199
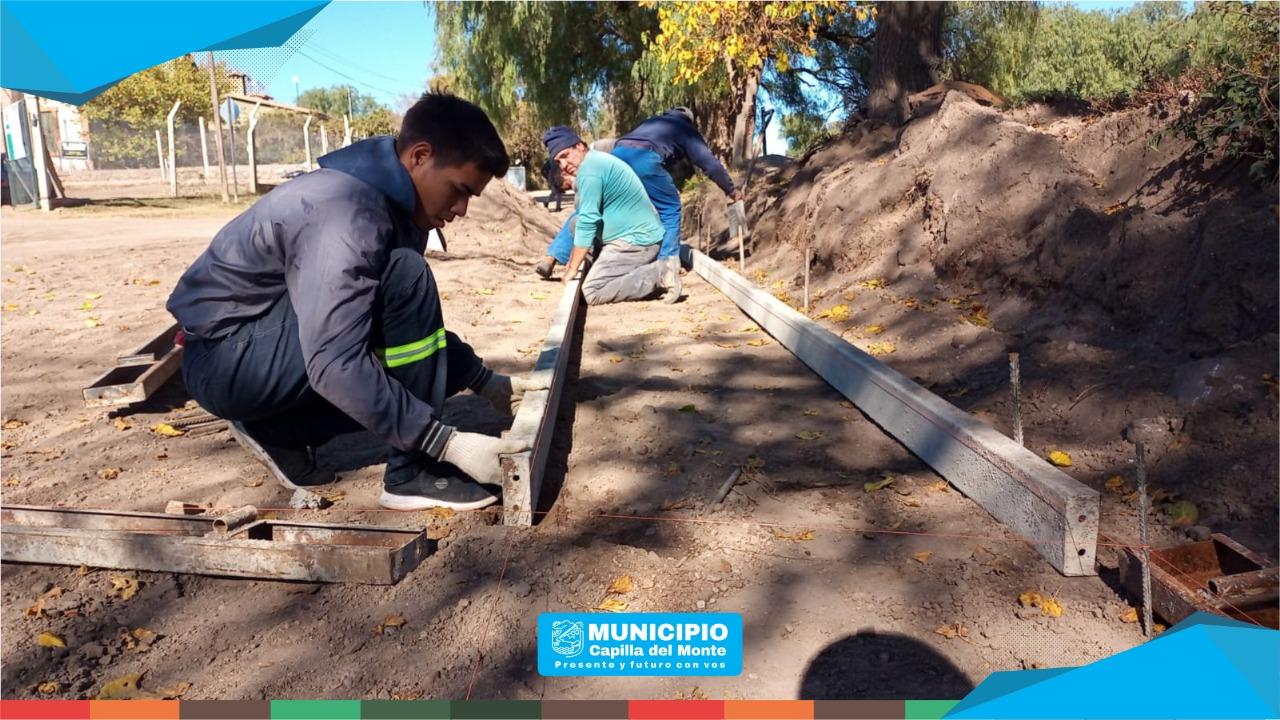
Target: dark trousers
column 257, row 374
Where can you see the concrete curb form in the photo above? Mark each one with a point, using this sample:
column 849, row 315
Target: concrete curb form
column 536, row 418
column 1050, row 510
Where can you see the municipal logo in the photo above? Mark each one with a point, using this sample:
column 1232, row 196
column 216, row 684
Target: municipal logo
column 567, row 638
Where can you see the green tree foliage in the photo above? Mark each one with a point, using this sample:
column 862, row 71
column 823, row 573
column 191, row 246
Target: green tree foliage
column 535, row 64
column 805, row 131
column 124, row 119
column 378, row 121
column 332, row 101
column 1028, row 51
column 1240, row 72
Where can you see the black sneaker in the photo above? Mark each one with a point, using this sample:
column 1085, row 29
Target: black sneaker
column 291, row 467
column 435, row 486
column 544, row 267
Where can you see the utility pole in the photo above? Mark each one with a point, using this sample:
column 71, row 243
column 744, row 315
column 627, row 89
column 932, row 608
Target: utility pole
column 348, row 101
column 295, row 89
column 217, row 127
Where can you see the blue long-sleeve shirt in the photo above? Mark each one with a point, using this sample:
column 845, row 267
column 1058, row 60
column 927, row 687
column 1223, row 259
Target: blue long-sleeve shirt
column 673, row 137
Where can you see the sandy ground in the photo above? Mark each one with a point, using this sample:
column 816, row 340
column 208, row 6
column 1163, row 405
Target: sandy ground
column 845, row 593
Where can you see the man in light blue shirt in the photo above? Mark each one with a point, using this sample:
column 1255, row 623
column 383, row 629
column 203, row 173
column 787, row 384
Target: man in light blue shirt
column 614, row 209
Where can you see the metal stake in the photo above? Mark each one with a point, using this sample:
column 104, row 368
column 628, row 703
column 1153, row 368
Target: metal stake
column 1015, row 386
column 1146, row 546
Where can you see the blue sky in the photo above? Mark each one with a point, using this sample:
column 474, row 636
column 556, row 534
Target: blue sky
column 386, row 48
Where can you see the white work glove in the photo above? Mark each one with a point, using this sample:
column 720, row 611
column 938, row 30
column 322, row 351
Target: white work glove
column 505, row 392
column 477, row 455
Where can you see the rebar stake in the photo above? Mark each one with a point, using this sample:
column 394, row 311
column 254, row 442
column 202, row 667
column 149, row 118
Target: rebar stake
column 1015, row 386
column 1146, row 546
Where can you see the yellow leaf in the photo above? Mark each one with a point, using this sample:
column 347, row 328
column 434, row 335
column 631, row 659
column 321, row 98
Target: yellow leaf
column 484, row 291
column 923, row 556
column 1184, row 513
column 758, row 342
column 166, row 430
column 837, row 313
column 727, row 346
column 48, row 688
column 881, row 348
column 49, row 640
column 810, row 434
column 939, row 486
column 14, row 424
column 86, row 305
column 874, row 329
column 124, row 688
column 805, row 536
column 121, row 424
column 10, row 307
column 123, row 587
column 1051, row 607
column 92, row 322
column 811, row 412
column 1030, row 598
column 615, row 359
column 92, row 296
column 1060, row 458
column 612, row 605
column 1129, row 616
column 880, row 484
column 539, row 295
column 872, row 284
column 726, row 317
column 1116, row 484
column 621, row 585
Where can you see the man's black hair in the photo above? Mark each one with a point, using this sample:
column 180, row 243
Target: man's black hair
column 458, row 131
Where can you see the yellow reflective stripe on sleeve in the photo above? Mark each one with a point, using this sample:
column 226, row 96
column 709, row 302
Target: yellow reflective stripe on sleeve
column 412, row 352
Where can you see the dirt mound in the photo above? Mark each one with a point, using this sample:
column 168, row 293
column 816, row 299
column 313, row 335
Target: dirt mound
column 1140, row 288
column 504, row 222
column 1050, row 223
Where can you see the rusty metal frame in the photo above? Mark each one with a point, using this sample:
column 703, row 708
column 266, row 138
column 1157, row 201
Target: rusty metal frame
column 138, row 373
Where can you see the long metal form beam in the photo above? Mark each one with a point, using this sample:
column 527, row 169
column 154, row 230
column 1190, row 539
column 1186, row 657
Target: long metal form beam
column 1049, row 509
column 236, row 544
column 536, row 418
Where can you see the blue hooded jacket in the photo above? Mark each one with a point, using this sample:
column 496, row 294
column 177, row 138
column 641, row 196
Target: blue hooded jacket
column 673, row 137
column 325, row 239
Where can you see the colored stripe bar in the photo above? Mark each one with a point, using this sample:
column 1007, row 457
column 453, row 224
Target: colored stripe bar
column 768, row 709
column 671, row 709
column 858, row 710
column 584, row 710
column 404, row 710
column 495, row 710
column 315, row 710
column 928, row 709
column 133, row 709
column 224, row 710
column 44, row 709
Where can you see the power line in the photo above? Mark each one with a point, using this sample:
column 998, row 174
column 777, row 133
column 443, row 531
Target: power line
column 338, row 72
column 335, row 57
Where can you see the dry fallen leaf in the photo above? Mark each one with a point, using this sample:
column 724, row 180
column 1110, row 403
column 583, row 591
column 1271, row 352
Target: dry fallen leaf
column 1047, row 605
column 758, row 342
column 13, row 424
column 49, row 640
column 873, row 329
column 881, row 348
column 612, row 605
column 140, row 639
column 86, row 305
column 123, row 587
column 923, row 556
column 615, row 359
column 938, row 486
column 1116, row 484
column 951, row 632
column 166, row 430
column 92, row 322
column 875, row 485
column 124, row 688
column 1060, row 458
column 48, row 688
column 837, row 313
column 441, row 513
column 176, row 691
column 805, row 536
column 811, row 412
column 539, row 295
column 622, row 585
column 484, row 291
column 109, row 473
column 810, row 434
column 121, row 423
column 1129, row 616
column 37, row 608
column 728, row 346
column 872, row 284
column 92, row 295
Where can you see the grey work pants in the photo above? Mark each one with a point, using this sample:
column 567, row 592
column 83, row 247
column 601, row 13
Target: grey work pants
column 621, row 272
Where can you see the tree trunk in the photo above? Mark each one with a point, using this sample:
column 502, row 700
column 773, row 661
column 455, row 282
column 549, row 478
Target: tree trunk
column 906, row 56
column 744, row 120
